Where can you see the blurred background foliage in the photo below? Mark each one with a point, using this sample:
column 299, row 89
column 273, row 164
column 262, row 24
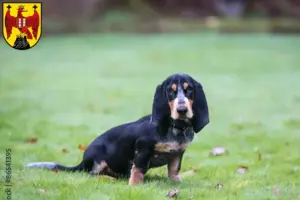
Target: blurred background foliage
column 161, row 16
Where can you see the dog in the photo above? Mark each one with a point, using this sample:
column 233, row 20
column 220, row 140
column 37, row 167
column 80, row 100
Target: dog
column 179, row 111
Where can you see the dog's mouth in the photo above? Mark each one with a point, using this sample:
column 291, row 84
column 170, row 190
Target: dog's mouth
column 182, row 117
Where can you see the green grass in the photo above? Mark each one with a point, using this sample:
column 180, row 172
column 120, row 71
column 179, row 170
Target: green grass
column 68, row 90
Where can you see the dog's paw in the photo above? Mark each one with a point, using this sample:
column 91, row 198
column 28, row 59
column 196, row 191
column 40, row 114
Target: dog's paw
column 136, row 176
column 136, row 179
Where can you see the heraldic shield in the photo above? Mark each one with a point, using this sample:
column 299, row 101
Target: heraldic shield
column 22, row 24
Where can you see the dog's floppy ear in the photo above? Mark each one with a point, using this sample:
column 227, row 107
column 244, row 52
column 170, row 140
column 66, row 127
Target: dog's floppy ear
column 160, row 107
column 200, row 108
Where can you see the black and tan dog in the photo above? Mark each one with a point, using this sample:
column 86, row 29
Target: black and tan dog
column 179, row 111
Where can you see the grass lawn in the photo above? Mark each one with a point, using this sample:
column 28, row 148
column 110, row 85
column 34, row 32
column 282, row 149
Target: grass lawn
column 67, row 90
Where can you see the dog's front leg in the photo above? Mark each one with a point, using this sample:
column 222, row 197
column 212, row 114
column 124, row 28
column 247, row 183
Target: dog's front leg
column 140, row 164
column 174, row 167
column 137, row 172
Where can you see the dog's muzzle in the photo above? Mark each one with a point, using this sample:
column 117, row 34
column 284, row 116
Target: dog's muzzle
column 181, row 108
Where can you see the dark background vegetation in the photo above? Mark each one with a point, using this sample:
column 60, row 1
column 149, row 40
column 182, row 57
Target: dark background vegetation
column 157, row 16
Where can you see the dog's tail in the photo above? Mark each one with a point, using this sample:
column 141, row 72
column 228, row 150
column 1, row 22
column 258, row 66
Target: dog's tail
column 54, row 166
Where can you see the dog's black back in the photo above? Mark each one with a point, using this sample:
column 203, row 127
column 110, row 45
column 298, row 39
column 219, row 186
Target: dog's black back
column 120, row 142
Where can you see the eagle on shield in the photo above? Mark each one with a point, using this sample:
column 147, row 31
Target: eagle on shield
column 22, row 24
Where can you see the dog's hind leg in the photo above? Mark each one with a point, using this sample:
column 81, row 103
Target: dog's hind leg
column 98, row 167
column 101, row 168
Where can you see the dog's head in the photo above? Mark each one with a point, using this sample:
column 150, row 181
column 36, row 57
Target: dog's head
column 180, row 97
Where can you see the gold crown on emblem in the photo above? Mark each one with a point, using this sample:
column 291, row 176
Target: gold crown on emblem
column 21, row 6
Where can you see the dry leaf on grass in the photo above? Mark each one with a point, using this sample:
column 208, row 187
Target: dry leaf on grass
column 82, row 147
column 31, row 140
column 259, row 157
column 276, row 191
column 242, row 170
column 107, row 177
column 65, row 150
column 187, row 173
column 218, row 151
column 219, row 186
column 41, row 190
column 173, row 193
column 55, row 171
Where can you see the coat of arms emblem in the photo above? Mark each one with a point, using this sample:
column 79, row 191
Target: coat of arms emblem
column 22, row 25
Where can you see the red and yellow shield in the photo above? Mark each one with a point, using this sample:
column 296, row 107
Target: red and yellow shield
column 22, row 24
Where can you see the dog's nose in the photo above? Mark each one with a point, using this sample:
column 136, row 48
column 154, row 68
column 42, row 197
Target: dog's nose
column 181, row 101
column 182, row 110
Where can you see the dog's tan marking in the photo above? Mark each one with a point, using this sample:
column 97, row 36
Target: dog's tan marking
column 102, row 169
column 98, row 168
column 171, row 105
column 185, row 85
column 174, row 87
column 190, row 108
column 167, row 147
column 136, row 176
column 173, row 169
column 109, row 172
column 190, row 102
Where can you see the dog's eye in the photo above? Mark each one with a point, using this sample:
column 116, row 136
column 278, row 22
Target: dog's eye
column 189, row 89
column 172, row 94
column 188, row 92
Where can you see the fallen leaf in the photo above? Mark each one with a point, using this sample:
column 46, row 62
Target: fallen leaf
column 82, row 147
column 242, row 170
column 41, row 190
column 189, row 172
column 107, row 177
column 31, row 140
column 259, row 157
column 173, row 193
column 218, row 151
column 241, row 184
column 55, row 171
column 219, row 186
column 212, row 22
column 276, row 191
column 65, row 150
